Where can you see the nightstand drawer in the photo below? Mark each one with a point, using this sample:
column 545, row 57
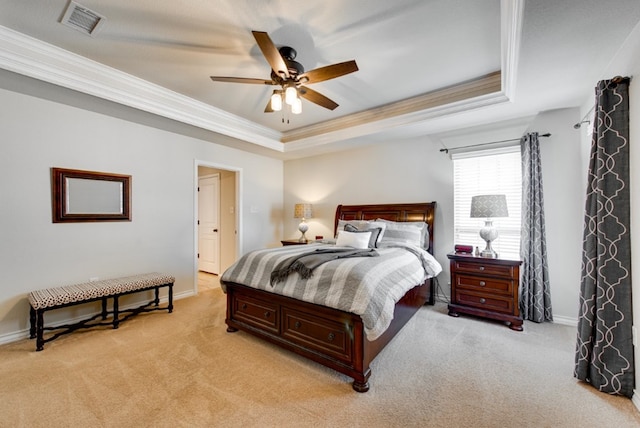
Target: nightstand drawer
column 480, row 283
column 484, row 301
column 484, row 268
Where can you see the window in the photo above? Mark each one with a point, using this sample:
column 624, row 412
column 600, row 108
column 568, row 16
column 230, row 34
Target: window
column 483, row 173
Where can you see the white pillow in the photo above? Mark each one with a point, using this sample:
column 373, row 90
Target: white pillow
column 359, row 240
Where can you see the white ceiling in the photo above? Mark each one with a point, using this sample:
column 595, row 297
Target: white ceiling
column 549, row 54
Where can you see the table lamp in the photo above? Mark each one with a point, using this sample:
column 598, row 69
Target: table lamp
column 489, row 207
column 303, row 211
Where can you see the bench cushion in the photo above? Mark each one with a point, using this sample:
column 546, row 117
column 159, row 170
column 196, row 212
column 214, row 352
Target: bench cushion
column 56, row 296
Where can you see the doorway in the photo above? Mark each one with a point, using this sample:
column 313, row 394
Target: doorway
column 217, row 226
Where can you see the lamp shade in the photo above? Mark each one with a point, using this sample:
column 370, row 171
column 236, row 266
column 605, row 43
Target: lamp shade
column 296, row 107
column 302, row 211
column 488, row 206
column 276, row 101
column 290, row 95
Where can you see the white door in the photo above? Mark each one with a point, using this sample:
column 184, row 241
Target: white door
column 209, row 224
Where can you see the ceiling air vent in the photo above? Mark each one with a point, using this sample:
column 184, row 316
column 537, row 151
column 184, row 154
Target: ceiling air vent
column 82, row 19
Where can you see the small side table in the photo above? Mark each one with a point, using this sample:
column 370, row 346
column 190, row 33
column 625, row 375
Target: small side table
column 485, row 287
column 294, row 242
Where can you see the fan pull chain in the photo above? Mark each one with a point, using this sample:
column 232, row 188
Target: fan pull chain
column 283, row 110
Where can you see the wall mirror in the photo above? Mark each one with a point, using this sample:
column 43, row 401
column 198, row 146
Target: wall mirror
column 82, row 196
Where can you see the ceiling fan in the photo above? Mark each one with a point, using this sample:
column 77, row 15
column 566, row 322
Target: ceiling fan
column 291, row 77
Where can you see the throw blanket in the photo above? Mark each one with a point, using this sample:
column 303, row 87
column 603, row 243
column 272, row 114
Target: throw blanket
column 304, row 264
column 366, row 286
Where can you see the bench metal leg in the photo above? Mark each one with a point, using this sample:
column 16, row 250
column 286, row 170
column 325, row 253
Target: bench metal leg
column 105, row 312
column 39, row 329
column 116, row 320
column 156, row 301
column 32, row 323
column 170, row 298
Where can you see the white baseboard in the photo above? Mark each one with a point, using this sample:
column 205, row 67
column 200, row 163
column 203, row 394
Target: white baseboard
column 24, row 334
column 573, row 322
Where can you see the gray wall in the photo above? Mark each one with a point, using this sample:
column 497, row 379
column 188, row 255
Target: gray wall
column 416, row 171
column 38, row 134
column 399, row 171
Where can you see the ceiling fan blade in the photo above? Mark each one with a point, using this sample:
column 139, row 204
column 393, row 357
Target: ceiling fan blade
column 271, row 53
column 317, row 98
column 242, row 80
column 328, row 72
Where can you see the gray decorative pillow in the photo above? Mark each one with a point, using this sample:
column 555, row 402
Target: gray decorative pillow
column 405, row 231
column 375, row 232
column 359, row 224
column 363, row 225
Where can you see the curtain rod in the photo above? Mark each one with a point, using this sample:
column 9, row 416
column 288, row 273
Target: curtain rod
column 486, row 144
column 584, row 118
column 616, row 80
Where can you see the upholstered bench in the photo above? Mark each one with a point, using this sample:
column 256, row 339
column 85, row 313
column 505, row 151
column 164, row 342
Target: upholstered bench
column 60, row 297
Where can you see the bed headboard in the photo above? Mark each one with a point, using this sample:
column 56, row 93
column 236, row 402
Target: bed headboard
column 395, row 212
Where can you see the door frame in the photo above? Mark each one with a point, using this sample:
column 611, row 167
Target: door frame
column 238, row 211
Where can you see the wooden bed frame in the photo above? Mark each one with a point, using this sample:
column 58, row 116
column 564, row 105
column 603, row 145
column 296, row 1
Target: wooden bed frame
column 328, row 336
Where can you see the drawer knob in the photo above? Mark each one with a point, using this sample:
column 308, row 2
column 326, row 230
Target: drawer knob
column 482, row 283
column 482, row 300
column 481, row 268
column 267, row 314
column 244, row 306
column 331, row 337
column 297, row 324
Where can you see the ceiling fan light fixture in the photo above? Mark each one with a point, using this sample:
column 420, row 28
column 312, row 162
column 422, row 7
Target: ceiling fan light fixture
column 276, row 101
column 296, row 107
column 290, row 95
column 290, row 77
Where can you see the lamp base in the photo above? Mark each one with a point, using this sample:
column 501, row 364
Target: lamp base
column 489, row 234
column 488, row 252
column 303, row 227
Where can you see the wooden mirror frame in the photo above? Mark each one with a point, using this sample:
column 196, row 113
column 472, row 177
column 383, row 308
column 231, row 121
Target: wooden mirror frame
column 61, row 195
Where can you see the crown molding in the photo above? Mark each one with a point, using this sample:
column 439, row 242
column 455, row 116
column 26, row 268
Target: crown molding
column 512, row 15
column 495, row 88
column 34, row 58
column 461, row 97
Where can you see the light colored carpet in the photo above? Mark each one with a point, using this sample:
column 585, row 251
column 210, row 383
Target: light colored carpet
column 184, row 369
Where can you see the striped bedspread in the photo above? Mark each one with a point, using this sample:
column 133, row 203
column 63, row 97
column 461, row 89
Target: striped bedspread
column 366, row 286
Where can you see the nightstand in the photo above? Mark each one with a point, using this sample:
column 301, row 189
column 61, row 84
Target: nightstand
column 485, row 287
column 294, row 242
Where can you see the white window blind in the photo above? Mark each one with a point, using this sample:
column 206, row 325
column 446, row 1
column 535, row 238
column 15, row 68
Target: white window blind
column 485, row 173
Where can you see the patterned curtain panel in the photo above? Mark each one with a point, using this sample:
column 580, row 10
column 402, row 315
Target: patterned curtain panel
column 604, row 349
column 535, row 295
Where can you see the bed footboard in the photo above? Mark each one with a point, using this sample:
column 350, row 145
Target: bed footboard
column 325, row 335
